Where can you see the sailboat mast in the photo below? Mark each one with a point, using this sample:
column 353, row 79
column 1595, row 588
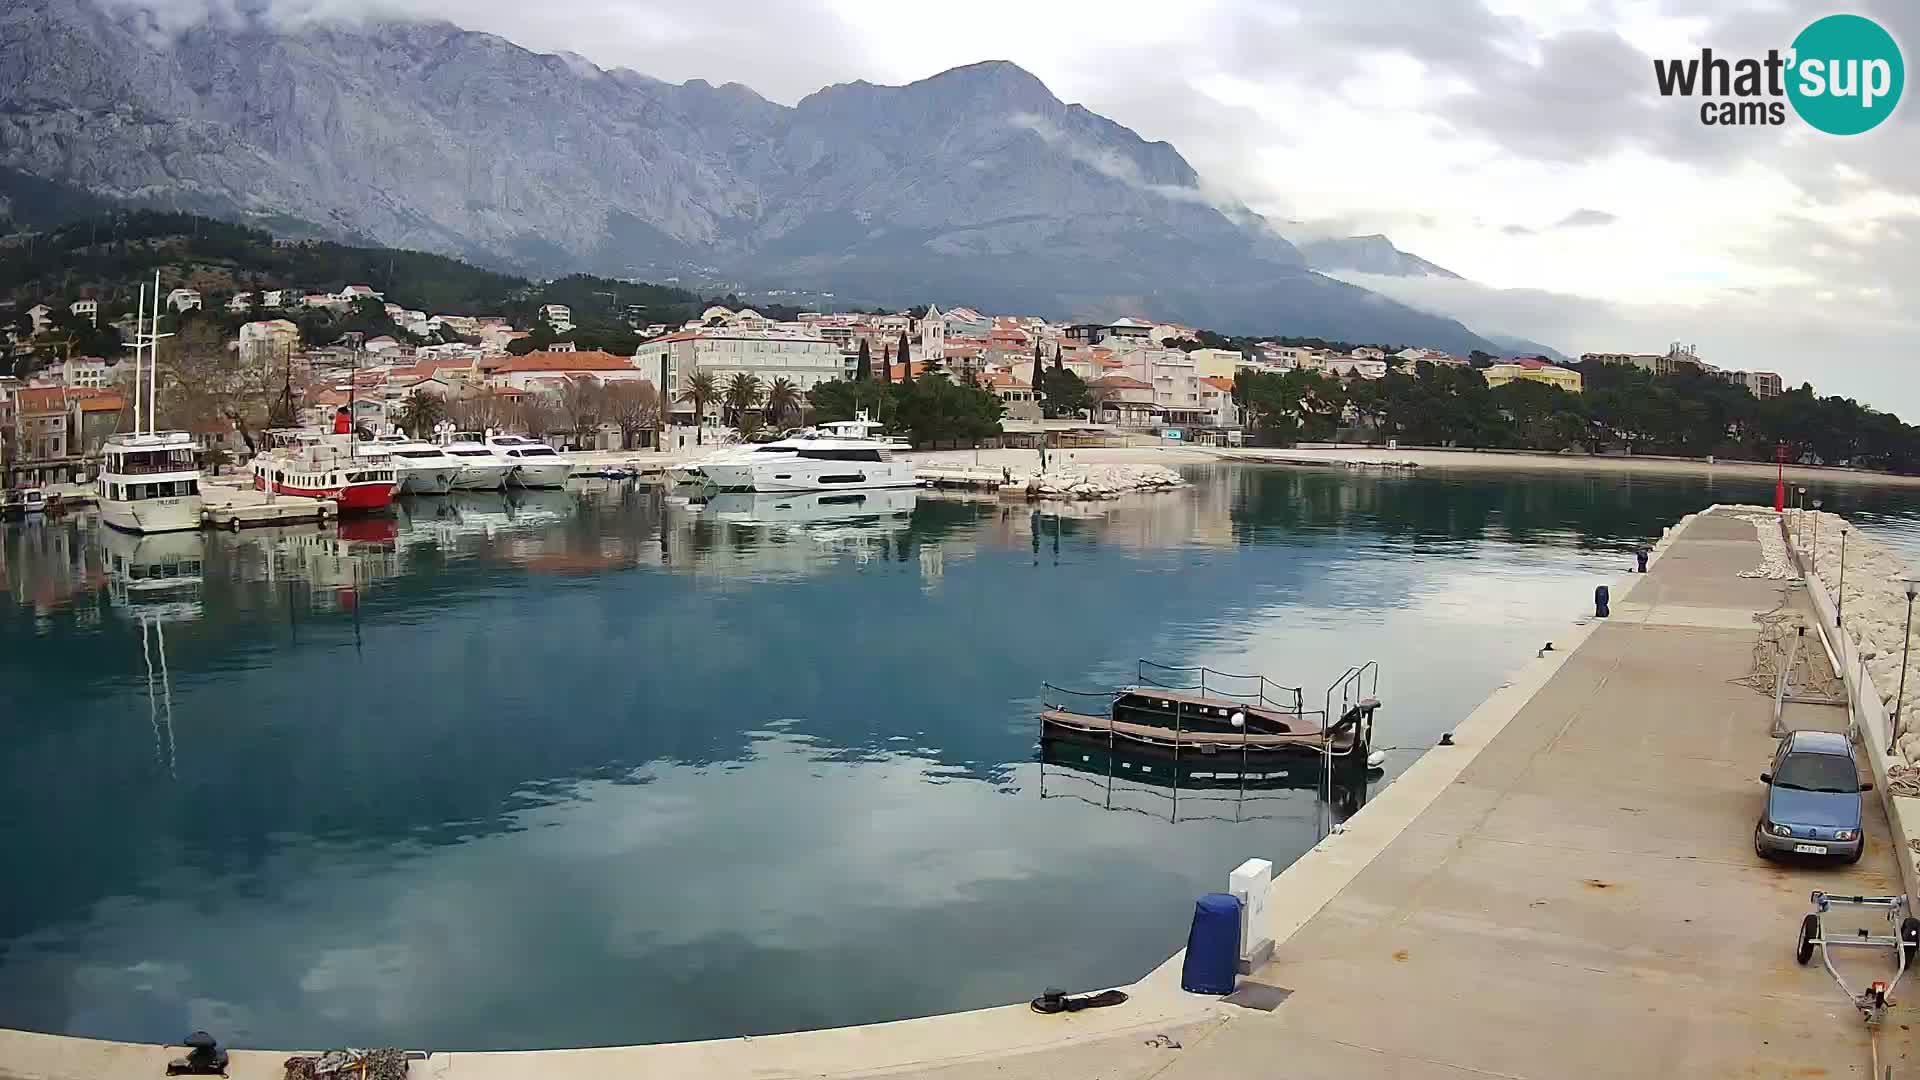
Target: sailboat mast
column 139, row 329
column 153, row 362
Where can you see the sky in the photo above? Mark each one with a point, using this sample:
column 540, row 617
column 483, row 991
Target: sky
column 1520, row 143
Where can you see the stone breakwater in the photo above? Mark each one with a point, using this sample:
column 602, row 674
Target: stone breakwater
column 1102, row 481
column 1873, row 605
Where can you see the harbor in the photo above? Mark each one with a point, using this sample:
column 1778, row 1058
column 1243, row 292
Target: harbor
column 1583, row 838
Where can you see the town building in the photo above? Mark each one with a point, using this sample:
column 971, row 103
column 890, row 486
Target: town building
column 802, row 358
column 268, row 342
column 1533, row 371
column 355, row 293
column 41, row 424
column 558, row 317
column 1761, row 384
column 933, row 335
column 42, row 317
column 183, row 300
column 1122, row 399
column 1016, row 395
column 1676, row 358
column 86, row 309
column 966, row 322
column 1220, row 363
column 86, row 372
column 1348, row 367
column 536, row 368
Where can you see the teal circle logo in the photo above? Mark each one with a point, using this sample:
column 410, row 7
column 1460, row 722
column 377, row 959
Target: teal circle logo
column 1846, row 74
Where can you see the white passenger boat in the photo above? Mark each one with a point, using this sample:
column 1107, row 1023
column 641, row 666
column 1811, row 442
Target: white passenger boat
column 847, row 454
column 421, row 467
column 535, row 464
column 149, row 479
column 480, row 468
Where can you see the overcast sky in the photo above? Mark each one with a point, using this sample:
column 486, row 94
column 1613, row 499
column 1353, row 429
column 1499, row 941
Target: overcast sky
column 1517, row 142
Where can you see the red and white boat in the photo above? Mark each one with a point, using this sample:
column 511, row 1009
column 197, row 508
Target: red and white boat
column 323, row 466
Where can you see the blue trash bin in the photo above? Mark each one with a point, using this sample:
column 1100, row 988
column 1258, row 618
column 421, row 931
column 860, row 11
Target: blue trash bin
column 1213, row 946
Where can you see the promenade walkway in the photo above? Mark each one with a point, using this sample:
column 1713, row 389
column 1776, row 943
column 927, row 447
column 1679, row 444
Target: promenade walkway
column 1581, row 900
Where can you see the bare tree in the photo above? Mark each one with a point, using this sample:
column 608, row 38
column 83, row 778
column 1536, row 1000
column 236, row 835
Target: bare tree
column 583, row 405
column 483, row 411
column 635, row 406
column 202, row 381
column 536, row 414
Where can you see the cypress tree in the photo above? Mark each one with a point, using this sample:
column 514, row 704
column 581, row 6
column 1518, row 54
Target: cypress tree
column 864, row 371
column 1038, row 396
column 886, row 365
column 906, row 361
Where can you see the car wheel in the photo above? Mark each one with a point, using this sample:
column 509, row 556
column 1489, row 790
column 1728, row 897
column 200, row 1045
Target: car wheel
column 1809, row 930
column 1758, row 849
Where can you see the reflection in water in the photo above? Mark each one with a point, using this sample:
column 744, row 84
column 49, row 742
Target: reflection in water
column 1219, row 787
column 551, row 768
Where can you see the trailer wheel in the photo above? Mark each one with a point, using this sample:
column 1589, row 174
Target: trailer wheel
column 1809, row 932
column 1910, row 937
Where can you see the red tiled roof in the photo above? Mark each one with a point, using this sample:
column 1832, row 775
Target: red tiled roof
column 1000, row 379
column 102, row 403
column 1218, row 382
column 42, row 399
column 1121, row 382
column 900, row 370
column 573, row 361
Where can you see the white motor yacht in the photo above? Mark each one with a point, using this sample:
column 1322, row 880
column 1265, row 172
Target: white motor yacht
column 423, row 468
column 535, row 464
column 841, row 455
column 480, row 468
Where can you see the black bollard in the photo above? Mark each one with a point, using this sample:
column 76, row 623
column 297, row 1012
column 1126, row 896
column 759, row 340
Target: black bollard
column 1600, row 602
column 1640, row 556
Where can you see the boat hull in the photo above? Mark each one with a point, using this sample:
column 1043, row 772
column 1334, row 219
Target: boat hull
column 153, row 515
column 541, row 474
column 803, row 475
column 432, row 480
column 485, row 477
column 351, row 498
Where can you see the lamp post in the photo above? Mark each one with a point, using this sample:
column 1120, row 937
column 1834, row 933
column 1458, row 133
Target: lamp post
column 1906, row 647
column 1813, row 549
column 1840, row 590
column 1800, row 516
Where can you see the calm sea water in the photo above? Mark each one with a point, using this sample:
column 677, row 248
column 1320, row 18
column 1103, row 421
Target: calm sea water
column 594, row 767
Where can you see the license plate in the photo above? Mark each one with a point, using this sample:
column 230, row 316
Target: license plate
column 1810, row 849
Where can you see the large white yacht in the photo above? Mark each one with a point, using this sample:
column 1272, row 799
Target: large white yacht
column 840, row 455
column 422, row 467
column 149, row 479
column 535, row 464
column 480, row 468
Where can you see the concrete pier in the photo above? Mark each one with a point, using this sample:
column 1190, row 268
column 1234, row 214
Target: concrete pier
column 1569, row 890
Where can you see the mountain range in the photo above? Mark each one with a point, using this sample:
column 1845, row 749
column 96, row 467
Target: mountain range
column 975, row 186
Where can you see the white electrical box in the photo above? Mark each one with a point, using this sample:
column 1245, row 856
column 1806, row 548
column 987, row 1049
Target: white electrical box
column 1248, row 883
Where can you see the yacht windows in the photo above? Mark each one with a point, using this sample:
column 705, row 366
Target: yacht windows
column 821, row 454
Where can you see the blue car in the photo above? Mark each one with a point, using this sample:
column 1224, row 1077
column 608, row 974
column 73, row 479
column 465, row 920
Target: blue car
column 1813, row 800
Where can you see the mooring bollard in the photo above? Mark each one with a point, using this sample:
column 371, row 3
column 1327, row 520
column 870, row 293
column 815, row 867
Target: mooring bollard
column 1640, row 557
column 1600, row 602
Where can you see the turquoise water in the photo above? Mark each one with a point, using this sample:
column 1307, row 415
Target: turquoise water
column 593, row 767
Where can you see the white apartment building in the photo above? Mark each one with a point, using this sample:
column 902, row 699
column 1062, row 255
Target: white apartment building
column 1221, row 363
column 557, row 316
column 89, row 372
column 184, row 300
column 802, row 358
column 86, row 309
column 268, row 343
column 1351, row 366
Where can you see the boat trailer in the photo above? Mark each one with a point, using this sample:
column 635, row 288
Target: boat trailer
column 1872, row 1001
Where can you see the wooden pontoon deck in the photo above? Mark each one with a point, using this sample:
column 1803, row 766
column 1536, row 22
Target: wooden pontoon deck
column 1105, row 730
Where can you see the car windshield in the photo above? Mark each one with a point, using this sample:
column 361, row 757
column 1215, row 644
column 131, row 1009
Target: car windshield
column 1817, row 772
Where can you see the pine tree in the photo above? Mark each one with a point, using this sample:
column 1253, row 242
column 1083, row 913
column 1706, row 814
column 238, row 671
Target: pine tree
column 864, row 370
column 1037, row 395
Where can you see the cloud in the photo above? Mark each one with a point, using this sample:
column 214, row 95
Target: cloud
column 1585, row 217
column 1113, row 164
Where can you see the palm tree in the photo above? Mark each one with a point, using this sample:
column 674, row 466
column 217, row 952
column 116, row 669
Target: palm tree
column 700, row 390
column 783, row 398
column 421, row 412
column 742, row 394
